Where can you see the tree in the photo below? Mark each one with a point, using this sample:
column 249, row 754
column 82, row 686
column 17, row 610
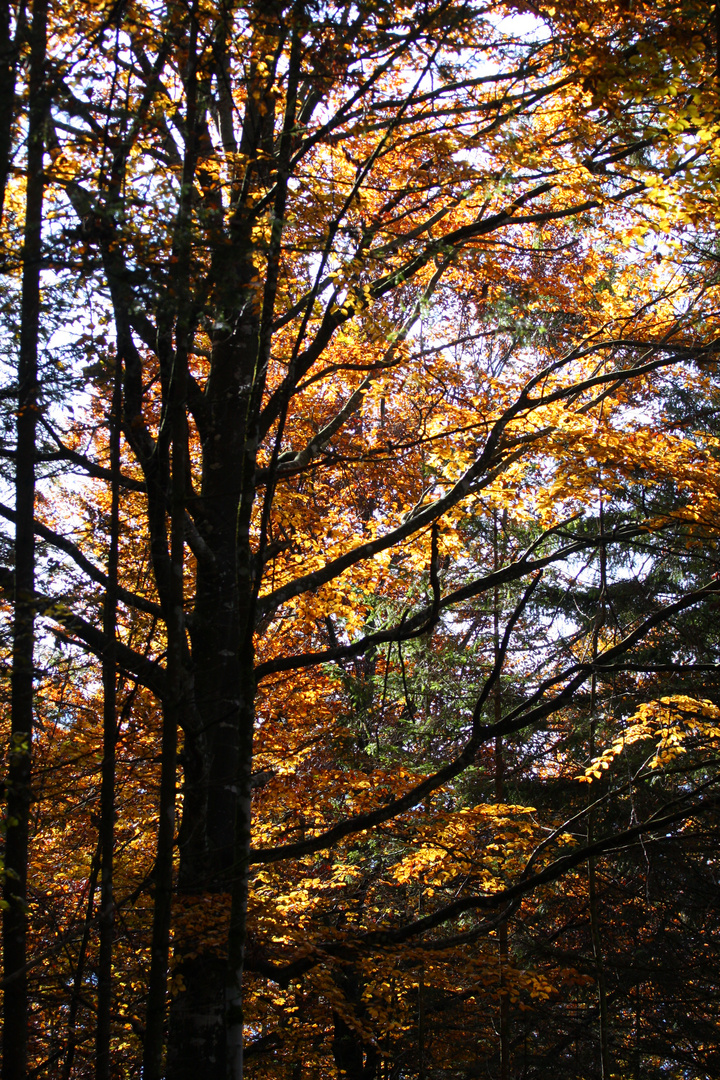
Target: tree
column 15, row 1016
column 365, row 277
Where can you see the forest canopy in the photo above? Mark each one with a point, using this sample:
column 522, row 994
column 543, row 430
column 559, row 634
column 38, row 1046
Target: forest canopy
column 359, row 567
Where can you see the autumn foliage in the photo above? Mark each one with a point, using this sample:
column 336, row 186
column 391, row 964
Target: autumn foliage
column 360, row 712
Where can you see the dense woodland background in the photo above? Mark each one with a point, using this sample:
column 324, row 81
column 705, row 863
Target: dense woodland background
column 359, row 568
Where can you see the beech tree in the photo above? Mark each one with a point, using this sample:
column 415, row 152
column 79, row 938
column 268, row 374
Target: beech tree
column 354, row 313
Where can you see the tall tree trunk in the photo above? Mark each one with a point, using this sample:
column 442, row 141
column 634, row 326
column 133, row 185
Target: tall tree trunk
column 249, row 570
column 174, row 708
column 107, row 791
column 207, row 1018
column 245, row 584
column 177, row 708
column 603, row 1022
column 208, row 708
column 210, row 741
column 15, row 1009
column 421, row 1013
column 503, row 950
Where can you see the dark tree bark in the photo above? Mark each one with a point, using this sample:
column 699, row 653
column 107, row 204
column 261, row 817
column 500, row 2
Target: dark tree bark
column 110, row 733
column 15, row 1010
column 177, row 708
column 595, row 928
column 354, row 1058
column 14, row 928
column 503, row 945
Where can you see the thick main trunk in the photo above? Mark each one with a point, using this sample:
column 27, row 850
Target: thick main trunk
column 217, row 750
column 196, row 1045
column 217, row 686
column 354, row 1058
column 213, row 756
